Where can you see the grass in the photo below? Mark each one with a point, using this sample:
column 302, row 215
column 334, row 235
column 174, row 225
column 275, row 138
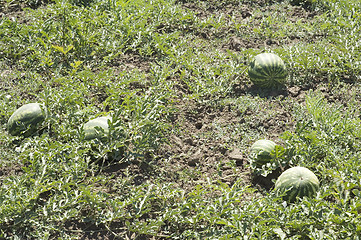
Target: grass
column 173, row 74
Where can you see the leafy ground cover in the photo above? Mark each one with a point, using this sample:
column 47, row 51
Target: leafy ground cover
column 173, row 74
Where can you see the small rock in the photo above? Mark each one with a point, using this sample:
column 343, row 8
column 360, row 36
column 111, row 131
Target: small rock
column 235, row 155
column 194, row 158
column 294, row 91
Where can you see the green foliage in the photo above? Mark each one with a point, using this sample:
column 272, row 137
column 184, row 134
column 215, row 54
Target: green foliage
column 143, row 62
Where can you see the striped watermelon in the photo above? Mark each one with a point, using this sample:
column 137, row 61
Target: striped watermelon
column 297, row 182
column 261, row 151
column 267, row 70
column 91, row 131
column 24, row 120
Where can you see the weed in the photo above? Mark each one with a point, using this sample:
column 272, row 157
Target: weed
column 168, row 70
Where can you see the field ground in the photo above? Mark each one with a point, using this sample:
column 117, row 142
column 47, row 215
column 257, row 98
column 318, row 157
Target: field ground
column 176, row 163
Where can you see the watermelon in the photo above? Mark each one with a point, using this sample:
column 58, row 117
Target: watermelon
column 261, row 151
column 93, row 128
column 267, row 70
column 297, row 182
column 25, row 120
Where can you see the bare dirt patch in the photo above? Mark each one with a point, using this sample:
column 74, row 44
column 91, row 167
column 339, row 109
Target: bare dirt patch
column 200, row 147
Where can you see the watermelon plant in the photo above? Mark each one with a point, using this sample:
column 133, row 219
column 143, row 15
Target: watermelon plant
column 96, row 128
column 297, row 182
column 261, row 150
column 267, row 70
column 166, row 68
column 25, row 120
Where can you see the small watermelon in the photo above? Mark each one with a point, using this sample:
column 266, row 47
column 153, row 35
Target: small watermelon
column 297, row 182
column 267, row 70
column 261, row 151
column 92, row 129
column 24, row 120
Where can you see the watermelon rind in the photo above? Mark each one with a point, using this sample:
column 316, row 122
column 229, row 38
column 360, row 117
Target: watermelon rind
column 97, row 128
column 25, row 119
column 297, row 182
column 267, row 70
column 261, row 150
